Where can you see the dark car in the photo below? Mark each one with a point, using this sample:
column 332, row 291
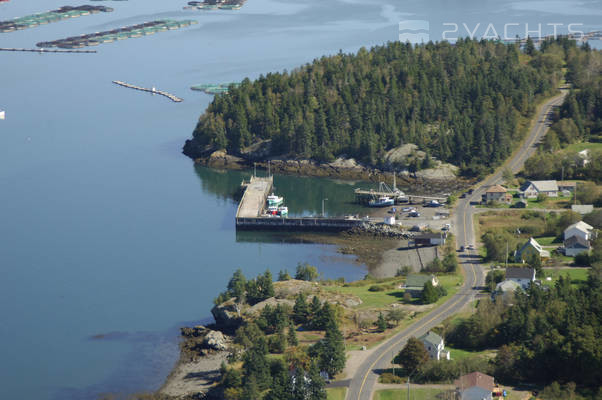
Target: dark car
column 461, row 248
column 470, row 191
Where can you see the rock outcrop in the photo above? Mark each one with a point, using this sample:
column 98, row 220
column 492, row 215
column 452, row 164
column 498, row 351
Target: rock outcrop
column 227, row 315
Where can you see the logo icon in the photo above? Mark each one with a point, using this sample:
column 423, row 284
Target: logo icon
column 414, row 31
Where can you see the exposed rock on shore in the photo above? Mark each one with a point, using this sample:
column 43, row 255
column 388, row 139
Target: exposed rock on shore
column 439, row 179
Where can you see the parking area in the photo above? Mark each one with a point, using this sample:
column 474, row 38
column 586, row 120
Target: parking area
column 413, row 215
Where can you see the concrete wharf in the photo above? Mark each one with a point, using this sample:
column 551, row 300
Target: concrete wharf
column 250, row 213
column 153, row 90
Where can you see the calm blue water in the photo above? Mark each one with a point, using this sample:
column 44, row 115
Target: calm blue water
column 105, row 228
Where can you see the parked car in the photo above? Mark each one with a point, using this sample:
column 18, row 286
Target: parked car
column 414, row 214
column 470, row 247
column 461, row 248
column 470, row 191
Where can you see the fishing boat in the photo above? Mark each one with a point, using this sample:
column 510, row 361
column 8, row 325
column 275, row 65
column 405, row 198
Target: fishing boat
column 2, row 114
column 382, row 201
column 283, row 211
column 273, row 210
column 274, row 200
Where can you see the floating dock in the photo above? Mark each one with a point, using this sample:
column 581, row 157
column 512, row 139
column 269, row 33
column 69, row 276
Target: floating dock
column 364, row 196
column 215, row 5
column 250, row 213
column 47, row 50
column 62, row 13
column 153, row 91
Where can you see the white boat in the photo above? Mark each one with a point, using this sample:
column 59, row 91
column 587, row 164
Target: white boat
column 2, row 114
column 283, row 211
column 274, row 200
column 382, row 201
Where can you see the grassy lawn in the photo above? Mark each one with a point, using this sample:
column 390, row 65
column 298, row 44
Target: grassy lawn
column 392, row 294
column 577, row 275
column 548, row 241
column 459, row 354
column 371, row 299
column 402, row 394
column 336, row 393
column 577, row 147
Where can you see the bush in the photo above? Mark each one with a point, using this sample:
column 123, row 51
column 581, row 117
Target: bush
column 376, row 288
column 388, row 377
column 583, row 259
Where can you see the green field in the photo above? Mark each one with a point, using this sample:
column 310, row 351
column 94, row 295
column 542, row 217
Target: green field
column 402, row 394
column 577, row 147
column 459, row 354
column 577, row 275
column 548, row 241
column 390, row 296
column 336, row 393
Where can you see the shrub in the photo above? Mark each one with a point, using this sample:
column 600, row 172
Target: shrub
column 376, row 288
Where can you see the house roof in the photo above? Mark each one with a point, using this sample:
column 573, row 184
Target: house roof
column 475, row 379
column 582, row 208
column 507, row 286
column 496, row 189
column 533, row 243
column 519, row 273
column 432, row 338
column 581, row 226
column 415, row 280
column 475, row 393
column 576, row 242
column 545, row 186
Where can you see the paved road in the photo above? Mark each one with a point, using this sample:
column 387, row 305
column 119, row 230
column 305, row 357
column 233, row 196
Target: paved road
column 362, row 384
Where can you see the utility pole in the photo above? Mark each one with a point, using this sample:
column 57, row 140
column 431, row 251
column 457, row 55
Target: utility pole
column 408, row 387
column 269, row 173
column 255, row 169
column 323, row 200
column 562, row 176
column 506, row 254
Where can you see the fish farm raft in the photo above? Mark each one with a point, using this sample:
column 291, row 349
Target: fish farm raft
column 62, row 13
column 215, row 4
column 215, row 89
column 133, row 31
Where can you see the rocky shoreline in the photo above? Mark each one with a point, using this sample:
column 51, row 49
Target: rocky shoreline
column 438, row 180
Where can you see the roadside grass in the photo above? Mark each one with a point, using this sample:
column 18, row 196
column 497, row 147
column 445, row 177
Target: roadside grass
column 549, row 203
column 577, row 275
column 336, row 393
column 415, row 394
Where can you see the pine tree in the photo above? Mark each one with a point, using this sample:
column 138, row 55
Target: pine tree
column 381, row 323
column 314, row 312
column 237, row 285
column 429, row 293
column 300, row 309
column 292, row 335
column 283, row 275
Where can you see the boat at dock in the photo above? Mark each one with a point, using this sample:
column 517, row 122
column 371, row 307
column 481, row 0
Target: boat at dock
column 274, row 200
column 2, row 114
column 382, row 201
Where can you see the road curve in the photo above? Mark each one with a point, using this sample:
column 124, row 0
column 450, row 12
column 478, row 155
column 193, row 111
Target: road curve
column 362, row 384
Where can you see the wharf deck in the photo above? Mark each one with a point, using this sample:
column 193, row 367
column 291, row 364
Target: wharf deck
column 297, row 224
column 253, row 199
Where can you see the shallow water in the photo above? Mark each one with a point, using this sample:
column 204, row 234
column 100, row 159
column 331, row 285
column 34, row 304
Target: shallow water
column 105, row 228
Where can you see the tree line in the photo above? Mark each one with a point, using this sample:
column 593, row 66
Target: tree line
column 461, row 103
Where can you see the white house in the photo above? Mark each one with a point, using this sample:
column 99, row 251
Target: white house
column 529, row 249
column 575, row 245
column 580, row 229
column 433, row 343
column 523, row 276
column 531, row 189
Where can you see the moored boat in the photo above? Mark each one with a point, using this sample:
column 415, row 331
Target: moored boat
column 274, row 200
column 382, row 201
